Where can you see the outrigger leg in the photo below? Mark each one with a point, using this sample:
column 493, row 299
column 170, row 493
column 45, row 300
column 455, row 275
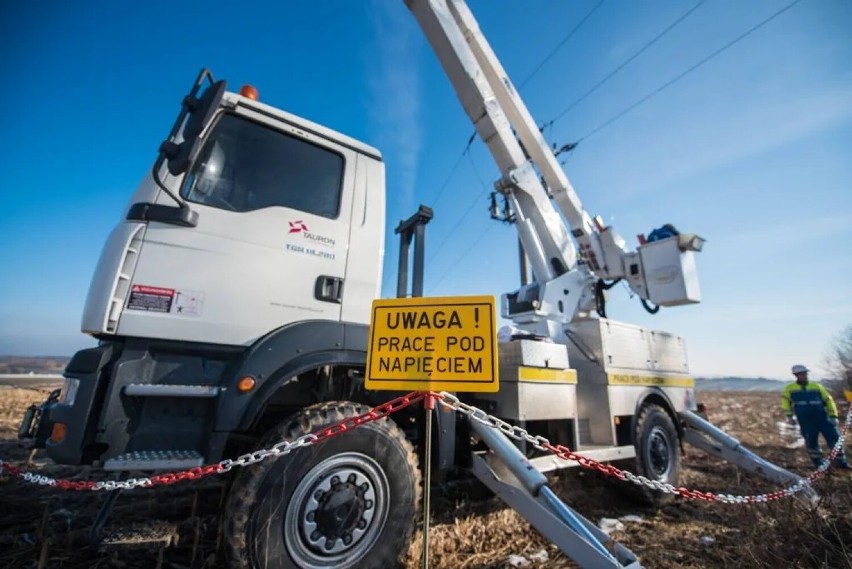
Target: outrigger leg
column 713, row 440
column 507, row 473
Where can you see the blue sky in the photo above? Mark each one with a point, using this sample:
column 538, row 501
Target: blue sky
column 751, row 150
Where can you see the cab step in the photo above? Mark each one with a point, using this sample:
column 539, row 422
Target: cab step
column 155, row 532
column 166, row 390
column 155, row 460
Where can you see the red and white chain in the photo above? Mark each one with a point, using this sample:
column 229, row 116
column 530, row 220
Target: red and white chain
column 449, row 401
column 541, row 443
column 278, row 449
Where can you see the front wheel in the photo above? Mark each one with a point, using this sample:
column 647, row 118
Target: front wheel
column 657, row 451
column 349, row 501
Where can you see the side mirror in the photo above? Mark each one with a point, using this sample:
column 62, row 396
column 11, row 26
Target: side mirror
column 199, row 112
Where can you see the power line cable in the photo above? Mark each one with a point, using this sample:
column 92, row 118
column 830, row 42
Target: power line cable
column 671, row 82
column 525, row 81
column 464, row 215
column 548, row 57
column 624, row 64
column 453, row 169
column 538, row 68
column 589, row 92
column 476, row 173
column 561, row 43
column 473, row 135
column 470, row 249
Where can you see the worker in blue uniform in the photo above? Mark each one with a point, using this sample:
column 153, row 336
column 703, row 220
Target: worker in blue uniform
column 816, row 413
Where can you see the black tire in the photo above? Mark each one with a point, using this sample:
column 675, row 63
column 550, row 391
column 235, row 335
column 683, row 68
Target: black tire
column 349, row 501
column 657, row 452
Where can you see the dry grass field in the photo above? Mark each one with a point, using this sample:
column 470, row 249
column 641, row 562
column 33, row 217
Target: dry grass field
column 42, row 527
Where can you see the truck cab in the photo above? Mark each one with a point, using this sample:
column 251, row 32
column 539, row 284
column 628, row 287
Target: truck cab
column 271, row 190
column 253, row 226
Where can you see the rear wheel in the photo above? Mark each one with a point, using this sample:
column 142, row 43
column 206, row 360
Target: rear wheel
column 349, row 501
column 657, row 452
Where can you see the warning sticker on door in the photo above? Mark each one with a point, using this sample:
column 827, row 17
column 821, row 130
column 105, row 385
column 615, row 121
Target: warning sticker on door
column 150, row 298
column 166, row 300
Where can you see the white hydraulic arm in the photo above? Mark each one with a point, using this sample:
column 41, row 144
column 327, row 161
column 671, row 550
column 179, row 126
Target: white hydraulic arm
column 489, row 100
column 506, row 127
column 529, row 134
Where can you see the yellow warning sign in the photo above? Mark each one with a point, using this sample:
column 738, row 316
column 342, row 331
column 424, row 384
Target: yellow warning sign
column 433, row 344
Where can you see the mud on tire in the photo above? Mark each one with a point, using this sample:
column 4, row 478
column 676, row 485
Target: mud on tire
column 349, row 501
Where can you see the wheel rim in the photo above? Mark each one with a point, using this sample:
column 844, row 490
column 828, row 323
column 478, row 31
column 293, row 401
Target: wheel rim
column 337, row 512
column 658, row 454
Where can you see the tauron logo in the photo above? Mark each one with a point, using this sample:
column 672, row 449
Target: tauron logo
column 297, row 226
column 300, row 228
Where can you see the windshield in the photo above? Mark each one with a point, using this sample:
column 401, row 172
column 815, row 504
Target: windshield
column 245, row 166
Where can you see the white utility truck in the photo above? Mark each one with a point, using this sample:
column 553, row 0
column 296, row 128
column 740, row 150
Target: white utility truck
column 232, row 305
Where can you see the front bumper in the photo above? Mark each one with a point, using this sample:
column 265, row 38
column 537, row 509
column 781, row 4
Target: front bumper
column 79, row 418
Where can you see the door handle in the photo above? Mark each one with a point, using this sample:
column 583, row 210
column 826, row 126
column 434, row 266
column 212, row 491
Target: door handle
column 329, row 289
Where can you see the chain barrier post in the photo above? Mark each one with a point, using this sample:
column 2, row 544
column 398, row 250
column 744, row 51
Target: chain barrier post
column 430, row 344
column 429, row 406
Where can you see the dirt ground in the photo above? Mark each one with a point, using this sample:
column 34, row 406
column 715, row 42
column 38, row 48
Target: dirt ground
column 42, row 527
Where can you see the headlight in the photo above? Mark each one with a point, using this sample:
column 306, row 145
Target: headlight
column 69, row 391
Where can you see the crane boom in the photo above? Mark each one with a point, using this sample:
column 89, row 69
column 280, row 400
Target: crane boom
column 531, row 176
column 487, row 96
column 528, row 132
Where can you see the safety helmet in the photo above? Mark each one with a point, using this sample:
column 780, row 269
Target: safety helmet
column 799, row 368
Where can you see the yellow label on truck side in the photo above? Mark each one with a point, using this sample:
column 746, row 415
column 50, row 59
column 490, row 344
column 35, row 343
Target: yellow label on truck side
column 433, row 344
column 658, row 380
column 549, row 375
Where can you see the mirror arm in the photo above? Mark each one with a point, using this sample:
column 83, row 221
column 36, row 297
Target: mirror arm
column 155, row 173
column 169, row 147
column 190, row 100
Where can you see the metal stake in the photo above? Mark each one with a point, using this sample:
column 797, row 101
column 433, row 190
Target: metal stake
column 429, row 405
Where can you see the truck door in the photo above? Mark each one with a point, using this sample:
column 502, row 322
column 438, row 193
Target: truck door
column 274, row 206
